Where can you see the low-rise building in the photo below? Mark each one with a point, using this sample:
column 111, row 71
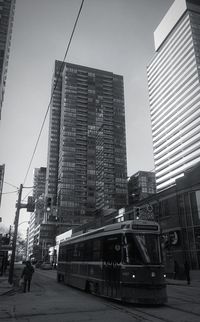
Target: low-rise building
column 177, row 209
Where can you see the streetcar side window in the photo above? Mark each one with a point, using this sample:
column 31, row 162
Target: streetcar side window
column 61, row 254
column 68, row 252
column 87, row 250
column 96, row 251
column 112, row 249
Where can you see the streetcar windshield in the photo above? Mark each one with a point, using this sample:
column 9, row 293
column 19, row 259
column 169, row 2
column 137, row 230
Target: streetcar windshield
column 142, row 249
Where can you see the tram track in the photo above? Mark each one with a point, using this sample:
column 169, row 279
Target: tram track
column 184, row 300
column 182, row 310
column 142, row 315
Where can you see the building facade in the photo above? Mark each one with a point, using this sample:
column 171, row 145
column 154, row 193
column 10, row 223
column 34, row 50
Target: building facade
column 87, row 167
column 140, row 186
column 2, row 171
column 174, row 92
column 7, row 8
column 36, row 217
column 39, row 181
column 177, row 209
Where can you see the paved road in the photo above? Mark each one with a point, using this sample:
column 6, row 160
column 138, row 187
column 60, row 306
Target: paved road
column 50, row 301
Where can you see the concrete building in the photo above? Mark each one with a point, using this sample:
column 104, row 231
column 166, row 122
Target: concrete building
column 39, row 181
column 37, row 217
column 140, row 186
column 87, row 167
column 174, row 92
column 7, row 8
column 2, row 171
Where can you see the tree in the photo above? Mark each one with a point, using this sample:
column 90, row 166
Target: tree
column 20, row 252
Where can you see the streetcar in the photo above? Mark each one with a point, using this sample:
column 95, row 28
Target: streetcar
column 121, row 261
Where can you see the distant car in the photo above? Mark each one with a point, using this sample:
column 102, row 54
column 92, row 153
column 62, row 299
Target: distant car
column 46, row 266
column 38, row 264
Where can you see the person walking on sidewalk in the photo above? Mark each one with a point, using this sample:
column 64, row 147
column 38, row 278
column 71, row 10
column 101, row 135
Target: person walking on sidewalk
column 27, row 274
column 187, row 272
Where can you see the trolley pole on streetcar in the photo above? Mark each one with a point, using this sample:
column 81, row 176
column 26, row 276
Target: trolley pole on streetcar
column 18, row 206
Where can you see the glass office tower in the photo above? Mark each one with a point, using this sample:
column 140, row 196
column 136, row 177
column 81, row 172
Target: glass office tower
column 174, row 92
column 7, row 8
column 87, row 167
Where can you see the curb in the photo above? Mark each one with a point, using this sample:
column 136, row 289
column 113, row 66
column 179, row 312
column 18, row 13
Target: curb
column 12, row 290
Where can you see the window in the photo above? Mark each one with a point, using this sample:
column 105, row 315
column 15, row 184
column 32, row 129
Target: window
column 141, row 249
column 112, row 249
column 195, row 206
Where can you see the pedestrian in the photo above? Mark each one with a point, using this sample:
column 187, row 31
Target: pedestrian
column 27, row 275
column 176, row 269
column 187, row 272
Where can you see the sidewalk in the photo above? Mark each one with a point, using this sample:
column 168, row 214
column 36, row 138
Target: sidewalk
column 5, row 287
column 194, row 276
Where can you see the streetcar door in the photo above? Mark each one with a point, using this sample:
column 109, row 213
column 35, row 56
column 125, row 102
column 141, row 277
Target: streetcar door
column 111, row 265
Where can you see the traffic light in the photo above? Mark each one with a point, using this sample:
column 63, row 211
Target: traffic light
column 30, row 204
column 137, row 212
column 48, row 203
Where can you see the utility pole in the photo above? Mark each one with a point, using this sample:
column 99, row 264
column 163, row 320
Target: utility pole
column 18, row 206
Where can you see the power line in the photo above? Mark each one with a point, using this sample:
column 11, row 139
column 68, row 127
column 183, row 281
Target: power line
column 27, row 195
column 10, row 184
column 6, row 193
column 61, row 67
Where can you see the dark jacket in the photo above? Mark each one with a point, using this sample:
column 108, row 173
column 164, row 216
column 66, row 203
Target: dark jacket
column 187, row 267
column 27, row 271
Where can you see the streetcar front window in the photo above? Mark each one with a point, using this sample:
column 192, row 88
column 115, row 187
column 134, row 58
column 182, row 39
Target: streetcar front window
column 141, row 249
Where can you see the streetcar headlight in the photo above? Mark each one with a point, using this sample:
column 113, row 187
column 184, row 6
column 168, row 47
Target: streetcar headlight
column 133, row 276
column 164, row 275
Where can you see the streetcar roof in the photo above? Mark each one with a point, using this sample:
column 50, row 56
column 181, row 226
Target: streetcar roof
column 129, row 225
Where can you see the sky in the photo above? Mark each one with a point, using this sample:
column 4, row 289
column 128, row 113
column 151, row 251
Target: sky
column 113, row 35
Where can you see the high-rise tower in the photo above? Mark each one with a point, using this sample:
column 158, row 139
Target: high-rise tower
column 174, row 92
column 7, row 8
column 87, row 167
column 39, row 181
column 2, row 171
column 37, row 216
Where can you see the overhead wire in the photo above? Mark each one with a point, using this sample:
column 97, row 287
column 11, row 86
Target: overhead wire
column 6, row 193
column 10, row 184
column 27, row 195
column 54, row 88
